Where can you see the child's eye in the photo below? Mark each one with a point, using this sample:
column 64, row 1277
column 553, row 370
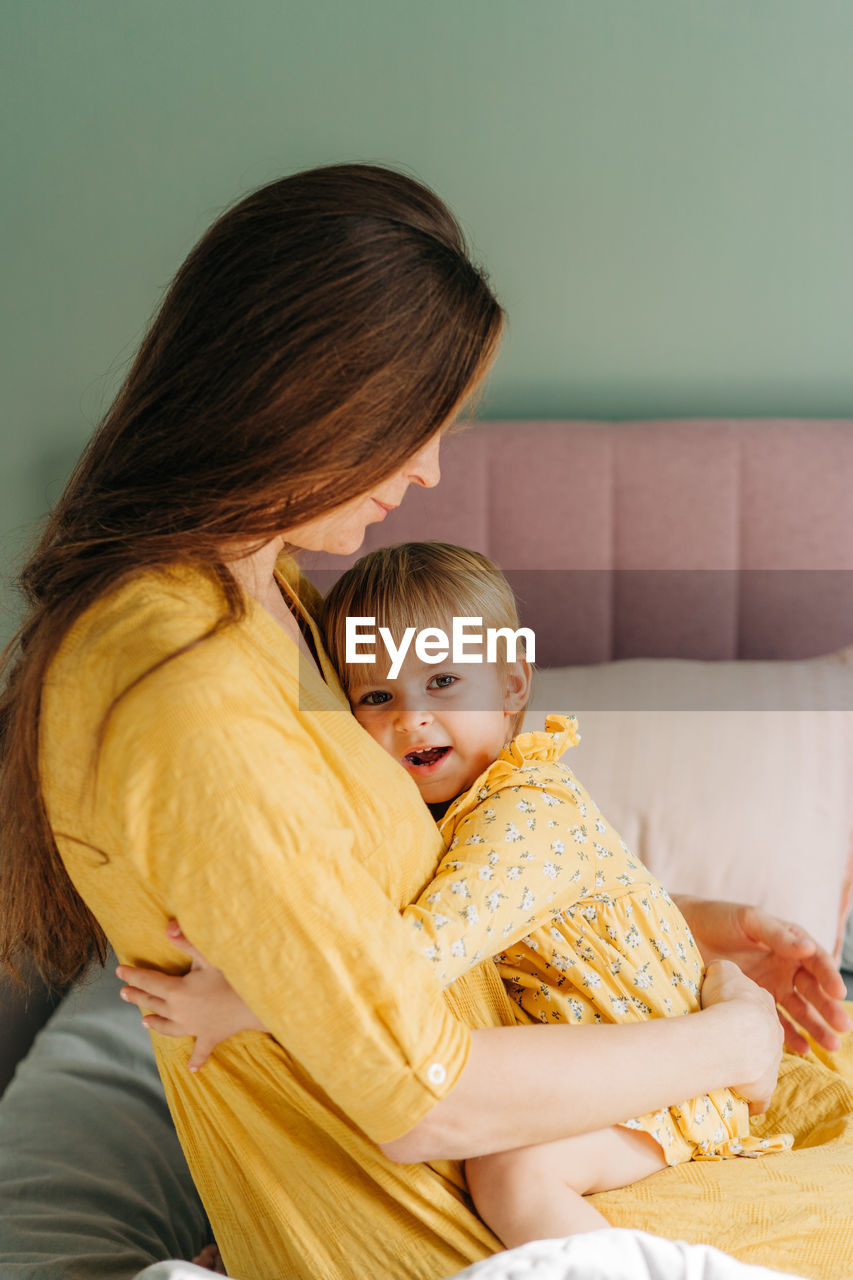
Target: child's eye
column 374, row 699
column 442, row 682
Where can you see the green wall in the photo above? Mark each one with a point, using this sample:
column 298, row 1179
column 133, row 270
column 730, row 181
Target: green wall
column 662, row 190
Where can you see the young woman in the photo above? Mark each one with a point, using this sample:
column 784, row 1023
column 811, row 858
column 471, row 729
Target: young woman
column 164, row 754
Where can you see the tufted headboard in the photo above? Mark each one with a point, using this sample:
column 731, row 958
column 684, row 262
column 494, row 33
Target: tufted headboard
column 708, row 538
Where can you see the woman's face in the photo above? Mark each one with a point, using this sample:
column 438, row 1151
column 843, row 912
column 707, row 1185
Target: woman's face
column 342, row 530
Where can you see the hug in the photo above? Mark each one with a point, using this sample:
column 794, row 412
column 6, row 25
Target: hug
column 437, row 1005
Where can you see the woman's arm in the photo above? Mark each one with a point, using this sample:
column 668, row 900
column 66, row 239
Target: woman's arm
column 736, row 1037
column 781, row 957
column 525, row 1085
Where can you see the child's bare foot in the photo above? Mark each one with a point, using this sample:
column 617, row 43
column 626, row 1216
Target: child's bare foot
column 211, row 1259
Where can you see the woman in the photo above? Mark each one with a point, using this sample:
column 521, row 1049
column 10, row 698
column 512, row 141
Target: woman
column 174, row 743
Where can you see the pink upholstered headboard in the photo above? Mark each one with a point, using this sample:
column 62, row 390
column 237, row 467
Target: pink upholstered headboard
column 705, row 538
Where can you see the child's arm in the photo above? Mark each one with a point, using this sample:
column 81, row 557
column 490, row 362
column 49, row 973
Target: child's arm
column 200, row 1003
column 523, row 854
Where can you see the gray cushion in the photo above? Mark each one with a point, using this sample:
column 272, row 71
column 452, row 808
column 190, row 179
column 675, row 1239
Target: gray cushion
column 93, row 1182
column 23, row 1012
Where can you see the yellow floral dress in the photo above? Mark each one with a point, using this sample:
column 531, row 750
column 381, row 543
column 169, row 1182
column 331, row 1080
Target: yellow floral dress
column 581, row 931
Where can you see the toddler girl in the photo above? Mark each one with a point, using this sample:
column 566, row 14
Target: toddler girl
column 533, row 875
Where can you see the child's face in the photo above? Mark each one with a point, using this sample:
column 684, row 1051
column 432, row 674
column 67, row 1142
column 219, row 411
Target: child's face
column 444, row 724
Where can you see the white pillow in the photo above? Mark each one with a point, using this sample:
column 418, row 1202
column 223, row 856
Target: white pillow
column 729, row 779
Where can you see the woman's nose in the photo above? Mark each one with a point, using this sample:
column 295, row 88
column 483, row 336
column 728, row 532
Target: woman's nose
column 424, row 468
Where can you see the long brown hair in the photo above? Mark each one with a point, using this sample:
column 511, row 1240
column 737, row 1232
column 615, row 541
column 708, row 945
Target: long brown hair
column 315, row 338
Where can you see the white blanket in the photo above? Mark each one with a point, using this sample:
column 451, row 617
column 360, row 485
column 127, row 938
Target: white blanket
column 609, row 1254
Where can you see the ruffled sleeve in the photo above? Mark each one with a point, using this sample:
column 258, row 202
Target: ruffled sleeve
column 503, row 870
column 561, row 732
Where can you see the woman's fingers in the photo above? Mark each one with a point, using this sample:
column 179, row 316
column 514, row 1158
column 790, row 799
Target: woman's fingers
column 780, row 936
column 795, row 1041
column 822, row 970
column 725, row 981
column 817, row 1013
column 803, row 1013
column 824, row 1008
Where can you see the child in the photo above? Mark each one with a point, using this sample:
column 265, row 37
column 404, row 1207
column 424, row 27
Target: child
column 533, row 875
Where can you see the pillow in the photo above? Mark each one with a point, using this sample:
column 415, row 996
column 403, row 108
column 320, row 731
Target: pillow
column 74, row 1211
column 729, row 779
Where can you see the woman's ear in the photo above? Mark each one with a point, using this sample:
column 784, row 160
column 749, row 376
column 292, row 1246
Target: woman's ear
column 517, row 686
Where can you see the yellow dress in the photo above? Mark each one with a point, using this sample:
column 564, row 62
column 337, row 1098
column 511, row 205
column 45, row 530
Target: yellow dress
column 582, row 931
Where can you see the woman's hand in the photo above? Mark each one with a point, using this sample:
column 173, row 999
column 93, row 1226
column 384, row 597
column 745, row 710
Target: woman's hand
column 781, row 957
column 724, row 982
column 201, row 1003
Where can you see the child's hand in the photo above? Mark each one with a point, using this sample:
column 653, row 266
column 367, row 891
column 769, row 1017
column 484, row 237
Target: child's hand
column 201, row 1003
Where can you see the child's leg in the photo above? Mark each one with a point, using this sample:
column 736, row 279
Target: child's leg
column 537, row 1193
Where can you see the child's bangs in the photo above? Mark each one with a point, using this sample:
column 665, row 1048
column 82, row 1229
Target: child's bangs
column 421, row 603
column 424, row 586
column 365, row 675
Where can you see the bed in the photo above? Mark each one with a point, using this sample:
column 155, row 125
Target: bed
column 689, row 586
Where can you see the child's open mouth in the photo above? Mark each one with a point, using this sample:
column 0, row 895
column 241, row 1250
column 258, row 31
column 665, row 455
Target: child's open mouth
column 425, row 759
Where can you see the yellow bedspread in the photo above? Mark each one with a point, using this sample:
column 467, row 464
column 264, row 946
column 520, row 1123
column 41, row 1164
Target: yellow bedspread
column 792, row 1211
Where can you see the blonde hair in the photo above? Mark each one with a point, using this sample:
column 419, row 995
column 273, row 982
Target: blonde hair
column 416, row 584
